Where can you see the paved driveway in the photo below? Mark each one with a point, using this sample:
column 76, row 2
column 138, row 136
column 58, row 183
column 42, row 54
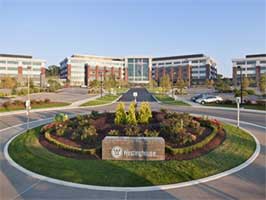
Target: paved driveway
column 143, row 95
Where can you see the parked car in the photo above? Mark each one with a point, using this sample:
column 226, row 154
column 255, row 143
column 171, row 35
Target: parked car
column 198, row 96
column 209, row 99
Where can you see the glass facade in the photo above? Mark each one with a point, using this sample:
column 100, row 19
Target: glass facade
column 138, row 69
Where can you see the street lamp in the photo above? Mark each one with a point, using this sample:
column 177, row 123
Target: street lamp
column 28, row 99
column 241, row 87
column 101, row 84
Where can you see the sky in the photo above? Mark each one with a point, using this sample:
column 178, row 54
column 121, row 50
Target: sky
column 55, row 29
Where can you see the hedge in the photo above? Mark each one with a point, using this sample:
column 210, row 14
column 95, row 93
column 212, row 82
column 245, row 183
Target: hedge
column 61, row 145
column 191, row 148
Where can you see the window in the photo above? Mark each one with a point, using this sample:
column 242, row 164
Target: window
column 12, row 68
column 240, row 62
column 26, row 63
column 195, row 61
column 176, row 62
column 251, row 62
column 185, row 61
column 262, row 61
column 12, row 62
column 168, row 63
column 3, row 61
column 2, row 68
column 36, row 63
column 161, row 63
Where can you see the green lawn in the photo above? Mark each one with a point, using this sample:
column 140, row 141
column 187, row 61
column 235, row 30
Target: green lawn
column 27, row 151
column 254, row 107
column 169, row 100
column 102, row 100
column 44, row 105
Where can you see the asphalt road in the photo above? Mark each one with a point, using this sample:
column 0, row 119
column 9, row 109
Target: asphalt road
column 143, row 95
column 249, row 183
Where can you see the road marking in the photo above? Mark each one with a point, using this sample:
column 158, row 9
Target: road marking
column 126, row 195
column 27, row 189
column 133, row 189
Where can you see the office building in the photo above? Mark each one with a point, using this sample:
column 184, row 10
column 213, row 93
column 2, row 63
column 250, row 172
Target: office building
column 81, row 69
column 195, row 69
column 252, row 66
column 20, row 66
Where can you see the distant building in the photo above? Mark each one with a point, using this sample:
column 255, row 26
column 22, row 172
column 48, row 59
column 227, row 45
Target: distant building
column 253, row 66
column 195, row 68
column 81, row 69
column 17, row 66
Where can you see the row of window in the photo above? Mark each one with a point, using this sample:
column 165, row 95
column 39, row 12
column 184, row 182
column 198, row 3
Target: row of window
column 23, row 63
column 250, row 62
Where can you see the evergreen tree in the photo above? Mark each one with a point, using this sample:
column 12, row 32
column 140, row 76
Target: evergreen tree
column 120, row 114
column 145, row 113
column 131, row 116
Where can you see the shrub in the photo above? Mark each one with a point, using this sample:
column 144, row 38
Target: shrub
column 131, row 116
column 7, row 104
column 89, row 134
column 194, row 124
column 94, row 114
column 113, row 133
column 151, row 133
column 251, row 92
column 191, row 148
column 145, row 113
column 120, row 114
column 60, row 131
column 68, row 147
column 163, row 110
column 132, row 131
column 61, row 117
column 47, row 100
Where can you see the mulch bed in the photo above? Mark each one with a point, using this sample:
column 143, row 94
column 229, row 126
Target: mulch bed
column 219, row 138
column 215, row 142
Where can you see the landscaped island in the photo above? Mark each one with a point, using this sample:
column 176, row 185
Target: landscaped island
column 70, row 149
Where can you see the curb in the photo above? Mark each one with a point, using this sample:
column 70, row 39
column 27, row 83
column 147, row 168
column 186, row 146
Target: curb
column 131, row 189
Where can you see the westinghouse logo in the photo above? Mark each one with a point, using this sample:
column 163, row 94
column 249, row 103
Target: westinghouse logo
column 117, row 152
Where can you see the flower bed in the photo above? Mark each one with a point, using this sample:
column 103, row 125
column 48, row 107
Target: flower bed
column 183, row 134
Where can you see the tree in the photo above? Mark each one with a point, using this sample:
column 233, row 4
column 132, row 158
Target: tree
column 245, row 83
column 110, row 83
column 131, row 116
column 222, row 84
column 94, row 84
column 145, row 113
column 120, row 114
column 153, row 83
column 165, row 83
column 262, row 83
column 209, row 83
column 53, row 85
column 181, row 84
column 8, row 82
column 52, row 70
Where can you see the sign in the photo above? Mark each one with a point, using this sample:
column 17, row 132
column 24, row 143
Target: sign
column 133, row 148
column 238, row 100
column 135, row 94
column 27, row 103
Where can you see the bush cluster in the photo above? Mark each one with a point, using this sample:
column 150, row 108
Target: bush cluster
column 185, row 150
column 60, row 117
column 61, row 145
column 19, row 103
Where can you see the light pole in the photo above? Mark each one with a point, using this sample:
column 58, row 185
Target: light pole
column 101, row 84
column 241, row 87
column 28, row 99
